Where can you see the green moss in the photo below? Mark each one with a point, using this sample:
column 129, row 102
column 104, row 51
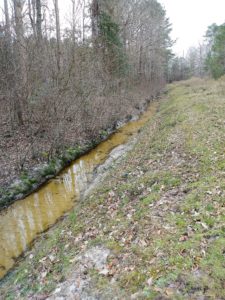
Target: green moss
column 49, row 170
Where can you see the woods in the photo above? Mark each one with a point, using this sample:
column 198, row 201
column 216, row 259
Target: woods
column 205, row 60
column 111, row 151
column 65, row 81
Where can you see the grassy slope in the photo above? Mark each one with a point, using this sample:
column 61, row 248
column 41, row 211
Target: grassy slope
column 160, row 210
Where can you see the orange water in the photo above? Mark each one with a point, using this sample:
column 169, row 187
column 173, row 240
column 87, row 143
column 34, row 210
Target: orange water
column 25, row 219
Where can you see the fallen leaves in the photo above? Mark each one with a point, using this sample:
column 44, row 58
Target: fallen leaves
column 150, row 281
column 183, row 238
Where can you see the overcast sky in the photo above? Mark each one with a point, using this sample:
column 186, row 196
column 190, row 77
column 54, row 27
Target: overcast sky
column 190, row 19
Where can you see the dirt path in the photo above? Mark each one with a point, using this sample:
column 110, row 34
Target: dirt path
column 154, row 229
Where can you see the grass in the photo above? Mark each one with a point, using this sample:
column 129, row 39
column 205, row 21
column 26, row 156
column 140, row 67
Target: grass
column 161, row 213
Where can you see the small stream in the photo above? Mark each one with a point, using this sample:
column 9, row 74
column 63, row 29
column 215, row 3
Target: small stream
column 24, row 220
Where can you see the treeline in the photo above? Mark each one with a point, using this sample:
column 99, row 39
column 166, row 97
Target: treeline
column 215, row 61
column 208, row 59
column 63, row 85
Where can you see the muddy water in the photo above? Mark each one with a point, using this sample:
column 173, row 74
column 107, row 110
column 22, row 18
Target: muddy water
column 23, row 221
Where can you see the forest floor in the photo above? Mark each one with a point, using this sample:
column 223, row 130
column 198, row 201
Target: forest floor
column 154, row 228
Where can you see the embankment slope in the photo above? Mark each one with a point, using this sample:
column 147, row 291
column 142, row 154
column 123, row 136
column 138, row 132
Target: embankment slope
column 154, row 229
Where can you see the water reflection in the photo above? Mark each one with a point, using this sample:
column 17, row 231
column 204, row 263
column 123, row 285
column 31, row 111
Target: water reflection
column 25, row 219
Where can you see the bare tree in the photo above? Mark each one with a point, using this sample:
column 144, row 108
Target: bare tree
column 32, row 15
column 68, row 88
column 73, row 21
column 38, row 19
column 7, row 23
column 95, row 13
column 21, row 72
column 20, row 40
column 58, row 34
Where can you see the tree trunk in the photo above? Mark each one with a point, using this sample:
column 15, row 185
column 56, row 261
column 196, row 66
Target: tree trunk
column 8, row 38
column 31, row 13
column 58, row 35
column 83, row 20
column 141, row 61
column 7, row 23
column 95, row 12
column 39, row 19
column 20, row 41
column 21, row 75
column 73, row 23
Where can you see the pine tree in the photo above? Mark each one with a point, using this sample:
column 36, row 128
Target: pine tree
column 215, row 61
